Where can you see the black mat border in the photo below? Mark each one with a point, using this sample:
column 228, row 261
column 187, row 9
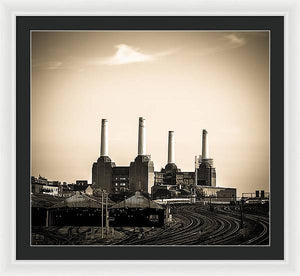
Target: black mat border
column 24, row 24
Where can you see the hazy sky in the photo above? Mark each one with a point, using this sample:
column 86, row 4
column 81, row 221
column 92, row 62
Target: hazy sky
column 181, row 81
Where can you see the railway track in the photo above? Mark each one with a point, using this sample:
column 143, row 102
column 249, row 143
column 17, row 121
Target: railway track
column 53, row 236
column 263, row 237
column 262, row 222
column 198, row 226
column 202, row 227
column 193, row 225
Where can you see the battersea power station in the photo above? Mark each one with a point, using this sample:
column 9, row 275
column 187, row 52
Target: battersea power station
column 140, row 175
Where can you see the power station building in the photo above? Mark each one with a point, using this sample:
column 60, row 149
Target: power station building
column 204, row 174
column 140, row 175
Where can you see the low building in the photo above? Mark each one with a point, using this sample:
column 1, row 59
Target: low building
column 158, row 178
column 78, row 210
column 42, row 185
column 89, row 191
column 81, row 182
column 39, row 208
column 66, row 190
column 216, row 194
column 137, row 211
column 37, row 184
column 164, row 191
column 50, row 190
column 188, row 178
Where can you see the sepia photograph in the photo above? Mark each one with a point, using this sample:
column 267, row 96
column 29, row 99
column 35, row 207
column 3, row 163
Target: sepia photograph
column 150, row 138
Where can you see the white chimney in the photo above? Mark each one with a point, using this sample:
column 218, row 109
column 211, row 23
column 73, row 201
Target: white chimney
column 104, row 138
column 142, row 137
column 204, row 144
column 171, row 148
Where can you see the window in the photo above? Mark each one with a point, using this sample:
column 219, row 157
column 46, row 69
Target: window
column 153, row 218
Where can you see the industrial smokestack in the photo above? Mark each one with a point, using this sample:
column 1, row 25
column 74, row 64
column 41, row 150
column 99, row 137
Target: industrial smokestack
column 142, row 137
column 171, row 148
column 104, row 138
column 204, row 145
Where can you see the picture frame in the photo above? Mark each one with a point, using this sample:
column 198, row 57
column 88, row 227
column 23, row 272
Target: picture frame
column 225, row 265
column 27, row 24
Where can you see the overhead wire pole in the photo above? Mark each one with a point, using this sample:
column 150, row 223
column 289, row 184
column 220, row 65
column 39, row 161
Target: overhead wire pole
column 106, row 209
column 242, row 212
column 196, row 161
column 196, row 176
column 102, row 214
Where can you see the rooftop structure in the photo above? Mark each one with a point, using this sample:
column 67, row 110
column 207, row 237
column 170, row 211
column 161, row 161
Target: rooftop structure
column 137, row 201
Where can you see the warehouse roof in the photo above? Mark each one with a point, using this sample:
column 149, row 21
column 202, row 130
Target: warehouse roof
column 137, row 201
column 44, row 201
column 81, row 201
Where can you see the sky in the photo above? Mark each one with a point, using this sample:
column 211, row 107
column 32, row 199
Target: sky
column 181, row 81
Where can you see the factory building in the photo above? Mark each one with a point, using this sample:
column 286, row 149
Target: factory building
column 139, row 176
column 141, row 171
column 172, row 175
column 102, row 169
column 120, row 179
column 206, row 173
column 171, row 182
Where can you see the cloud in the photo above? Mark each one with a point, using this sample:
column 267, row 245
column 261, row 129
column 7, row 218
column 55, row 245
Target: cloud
column 227, row 42
column 234, row 41
column 126, row 54
column 52, row 65
column 49, row 65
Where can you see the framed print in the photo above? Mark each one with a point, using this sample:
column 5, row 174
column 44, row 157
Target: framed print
column 150, row 137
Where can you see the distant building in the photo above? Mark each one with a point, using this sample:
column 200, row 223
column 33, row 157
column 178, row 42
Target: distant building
column 158, row 178
column 54, row 183
column 89, row 191
column 216, row 194
column 189, row 178
column 140, row 174
column 42, row 185
column 40, row 180
column 120, row 180
column 82, row 182
column 50, row 190
column 206, row 173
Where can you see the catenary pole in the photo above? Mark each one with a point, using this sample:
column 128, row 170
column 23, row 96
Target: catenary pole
column 102, row 214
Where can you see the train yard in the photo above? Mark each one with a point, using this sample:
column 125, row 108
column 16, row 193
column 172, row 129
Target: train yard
column 192, row 224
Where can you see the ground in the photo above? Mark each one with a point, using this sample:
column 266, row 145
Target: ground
column 191, row 225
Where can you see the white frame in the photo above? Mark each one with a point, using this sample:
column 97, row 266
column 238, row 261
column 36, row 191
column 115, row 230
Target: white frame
column 9, row 9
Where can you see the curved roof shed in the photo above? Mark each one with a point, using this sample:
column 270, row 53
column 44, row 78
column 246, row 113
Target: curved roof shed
column 137, row 201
